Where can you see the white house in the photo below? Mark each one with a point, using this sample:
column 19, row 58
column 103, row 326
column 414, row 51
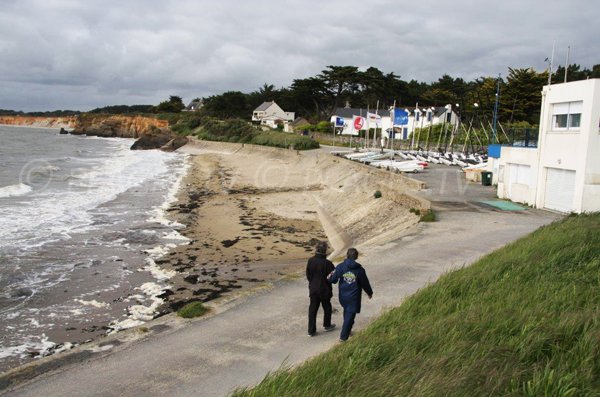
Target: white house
column 424, row 117
column 348, row 113
column 417, row 118
column 563, row 172
column 270, row 114
column 194, row 105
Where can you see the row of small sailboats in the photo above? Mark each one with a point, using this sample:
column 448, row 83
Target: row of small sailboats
column 413, row 160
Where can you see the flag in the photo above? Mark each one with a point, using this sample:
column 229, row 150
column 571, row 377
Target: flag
column 400, row 117
column 359, row 123
column 374, row 119
column 339, row 121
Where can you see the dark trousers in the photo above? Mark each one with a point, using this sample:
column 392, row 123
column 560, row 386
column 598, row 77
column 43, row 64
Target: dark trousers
column 348, row 323
column 315, row 302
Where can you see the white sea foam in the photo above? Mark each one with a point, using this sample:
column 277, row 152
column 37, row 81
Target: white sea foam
column 158, row 273
column 53, row 214
column 93, row 303
column 37, row 344
column 159, row 215
column 159, row 250
column 139, row 314
column 175, row 235
column 20, row 189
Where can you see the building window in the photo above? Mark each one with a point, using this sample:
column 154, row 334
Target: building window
column 566, row 116
column 417, row 114
column 429, row 116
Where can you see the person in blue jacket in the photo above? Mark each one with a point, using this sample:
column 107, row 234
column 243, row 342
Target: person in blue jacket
column 352, row 279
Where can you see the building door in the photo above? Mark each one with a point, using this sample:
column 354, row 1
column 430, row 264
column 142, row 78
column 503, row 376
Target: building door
column 518, row 174
column 560, row 190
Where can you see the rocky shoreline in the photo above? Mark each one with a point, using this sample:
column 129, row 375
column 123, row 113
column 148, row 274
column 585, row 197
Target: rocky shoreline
column 150, row 133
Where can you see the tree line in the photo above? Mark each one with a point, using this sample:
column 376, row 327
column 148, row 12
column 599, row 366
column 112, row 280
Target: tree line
column 316, row 98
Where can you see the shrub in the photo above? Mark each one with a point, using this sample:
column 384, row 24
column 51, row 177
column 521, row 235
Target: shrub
column 240, row 131
column 415, row 211
column 428, row 216
column 284, row 140
column 305, row 127
column 377, row 194
column 323, row 126
column 193, row 309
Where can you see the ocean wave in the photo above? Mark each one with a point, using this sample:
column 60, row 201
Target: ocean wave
column 43, row 171
column 55, row 213
column 20, row 189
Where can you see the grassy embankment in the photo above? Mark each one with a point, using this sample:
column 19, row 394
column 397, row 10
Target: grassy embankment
column 522, row 321
column 235, row 130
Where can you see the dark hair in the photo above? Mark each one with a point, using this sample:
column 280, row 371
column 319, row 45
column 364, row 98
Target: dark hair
column 352, row 253
column 321, row 247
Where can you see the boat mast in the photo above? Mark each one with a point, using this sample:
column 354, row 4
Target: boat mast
column 496, row 111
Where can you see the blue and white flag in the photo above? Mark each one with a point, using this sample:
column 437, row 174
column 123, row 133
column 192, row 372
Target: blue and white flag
column 400, row 117
column 339, row 121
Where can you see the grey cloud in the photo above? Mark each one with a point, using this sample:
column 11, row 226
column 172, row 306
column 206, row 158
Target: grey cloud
column 73, row 54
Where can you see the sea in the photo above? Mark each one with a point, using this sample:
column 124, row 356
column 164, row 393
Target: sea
column 82, row 220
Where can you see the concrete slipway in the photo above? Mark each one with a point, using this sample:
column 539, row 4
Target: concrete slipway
column 258, row 333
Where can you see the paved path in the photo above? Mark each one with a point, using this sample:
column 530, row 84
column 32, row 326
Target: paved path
column 212, row 356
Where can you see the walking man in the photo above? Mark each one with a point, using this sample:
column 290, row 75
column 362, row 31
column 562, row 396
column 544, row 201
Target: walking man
column 320, row 290
column 353, row 280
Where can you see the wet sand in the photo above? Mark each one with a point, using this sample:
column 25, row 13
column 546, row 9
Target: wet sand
column 254, row 215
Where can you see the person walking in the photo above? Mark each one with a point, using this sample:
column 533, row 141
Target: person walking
column 352, row 279
column 320, row 290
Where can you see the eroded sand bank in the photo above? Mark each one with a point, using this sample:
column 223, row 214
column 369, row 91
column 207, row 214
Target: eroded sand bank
column 253, row 214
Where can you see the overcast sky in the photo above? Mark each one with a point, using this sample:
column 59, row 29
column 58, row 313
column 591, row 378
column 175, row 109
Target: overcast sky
column 76, row 54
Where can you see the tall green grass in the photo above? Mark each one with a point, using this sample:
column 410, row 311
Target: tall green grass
column 522, row 321
column 284, row 140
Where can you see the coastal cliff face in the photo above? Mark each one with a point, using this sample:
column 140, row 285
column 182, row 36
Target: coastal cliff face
column 41, row 122
column 150, row 132
column 117, row 126
column 98, row 125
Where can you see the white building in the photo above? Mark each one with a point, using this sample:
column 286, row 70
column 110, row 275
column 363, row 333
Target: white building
column 424, row 117
column 270, row 114
column 563, row 172
column 417, row 118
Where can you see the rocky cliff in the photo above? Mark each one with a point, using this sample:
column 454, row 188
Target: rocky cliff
column 42, row 122
column 117, row 126
column 150, row 132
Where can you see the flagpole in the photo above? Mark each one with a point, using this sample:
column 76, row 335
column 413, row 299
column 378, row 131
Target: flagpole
column 412, row 141
column 376, row 124
column 367, row 135
column 334, row 127
column 393, row 131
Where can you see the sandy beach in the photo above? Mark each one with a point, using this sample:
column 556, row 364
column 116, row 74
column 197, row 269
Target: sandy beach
column 253, row 215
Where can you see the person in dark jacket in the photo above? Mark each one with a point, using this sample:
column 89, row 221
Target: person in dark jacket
column 352, row 279
column 320, row 290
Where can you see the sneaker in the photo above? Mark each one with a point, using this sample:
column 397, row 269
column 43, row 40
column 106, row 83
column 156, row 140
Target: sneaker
column 331, row 327
column 312, row 334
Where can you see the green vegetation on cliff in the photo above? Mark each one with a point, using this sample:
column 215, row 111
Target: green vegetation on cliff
column 234, row 130
column 522, row 321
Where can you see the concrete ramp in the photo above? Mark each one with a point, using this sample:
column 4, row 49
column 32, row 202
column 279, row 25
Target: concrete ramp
column 337, row 236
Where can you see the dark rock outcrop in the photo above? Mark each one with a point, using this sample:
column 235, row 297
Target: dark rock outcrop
column 159, row 139
column 174, row 144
